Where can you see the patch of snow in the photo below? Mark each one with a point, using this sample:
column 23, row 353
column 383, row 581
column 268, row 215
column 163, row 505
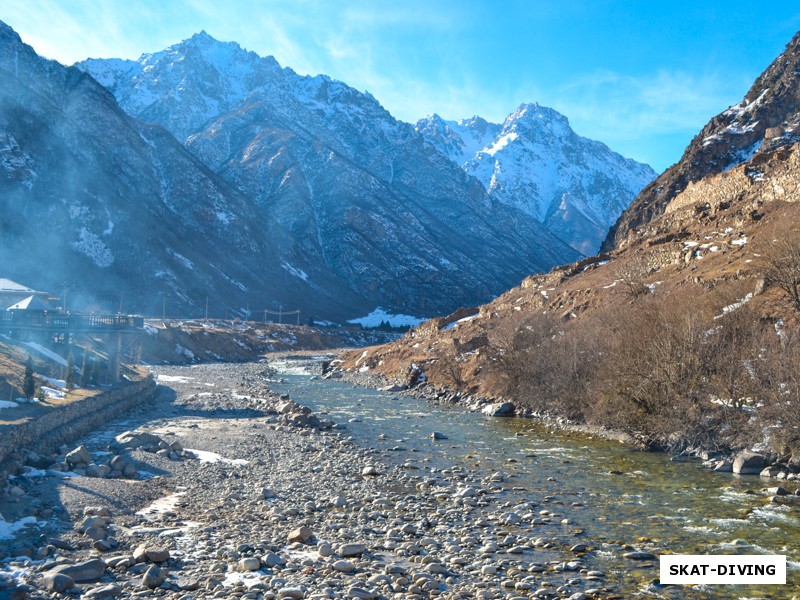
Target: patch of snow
column 9, row 530
column 56, row 383
column 299, row 273
column 735, row 305
column 743, row 155
column 501, row 143
column 248, row 579
column 325, row 324
column 362, row 357
column 53, row 393
column 454, row 324
column 7, row 404
column 46, row 353
column 379, row 315
column 91, row 246
column 182, row 259
column 161, row 506
column 173, row 378
column 740, row 242
column 213, row 457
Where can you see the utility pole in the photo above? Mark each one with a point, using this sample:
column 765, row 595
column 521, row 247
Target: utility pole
column 298, row 316
column 120, row 303
column 280, row 316
column 164, row 307
column 206, row 308
column 65, row 297
column 265, row 316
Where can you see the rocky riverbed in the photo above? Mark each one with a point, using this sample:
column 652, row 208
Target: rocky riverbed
column 221, row 488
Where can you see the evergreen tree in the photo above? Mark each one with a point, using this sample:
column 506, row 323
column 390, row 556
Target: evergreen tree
column 28, row 384
column 69, row 379
column 86, row 374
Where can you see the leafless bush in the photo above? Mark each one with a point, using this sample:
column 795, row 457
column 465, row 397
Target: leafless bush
column 631, row 275
column 777, row 372
column 550, row 370
column 780, row 264
column 449, row 366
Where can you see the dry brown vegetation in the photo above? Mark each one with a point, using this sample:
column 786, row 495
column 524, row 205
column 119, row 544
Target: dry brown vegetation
column 688, row 336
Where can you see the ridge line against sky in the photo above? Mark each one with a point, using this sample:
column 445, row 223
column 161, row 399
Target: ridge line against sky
column 642, row 77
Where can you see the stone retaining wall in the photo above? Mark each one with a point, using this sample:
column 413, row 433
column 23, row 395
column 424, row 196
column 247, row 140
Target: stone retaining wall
column 65, row 424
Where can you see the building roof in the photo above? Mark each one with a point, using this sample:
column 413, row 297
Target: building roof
column 6, row 285
column 30, row 303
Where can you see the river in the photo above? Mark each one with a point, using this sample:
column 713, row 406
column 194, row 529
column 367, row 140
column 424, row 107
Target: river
column 617, row 499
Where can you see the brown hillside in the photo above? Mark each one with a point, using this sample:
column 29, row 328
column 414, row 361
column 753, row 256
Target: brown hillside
column 705, row 256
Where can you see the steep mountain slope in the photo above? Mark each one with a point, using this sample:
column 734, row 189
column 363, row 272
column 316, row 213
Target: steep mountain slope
column 576, row 187
column 112, row 207
column 688, row 333
column 766, row 119
column 341, row 186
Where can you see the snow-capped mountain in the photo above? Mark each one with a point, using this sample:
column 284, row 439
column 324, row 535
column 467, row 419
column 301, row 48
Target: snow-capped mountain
column 768, row 117
column 459, row 140
column 287, row 191
column 535, row 162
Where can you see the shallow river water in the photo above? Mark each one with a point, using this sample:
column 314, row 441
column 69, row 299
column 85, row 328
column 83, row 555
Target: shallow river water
column 652, row 504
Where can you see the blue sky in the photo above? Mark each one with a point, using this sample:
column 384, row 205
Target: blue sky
column 641, row 76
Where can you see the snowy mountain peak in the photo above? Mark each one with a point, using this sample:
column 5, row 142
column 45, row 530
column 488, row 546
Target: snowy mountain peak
column 538, row 164
column 535, row 116
column 188, row 83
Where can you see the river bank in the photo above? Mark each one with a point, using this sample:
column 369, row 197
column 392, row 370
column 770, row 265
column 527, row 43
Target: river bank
column 756, row 460
column 235, row 491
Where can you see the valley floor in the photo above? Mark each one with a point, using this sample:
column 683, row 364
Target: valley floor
column 243, row 493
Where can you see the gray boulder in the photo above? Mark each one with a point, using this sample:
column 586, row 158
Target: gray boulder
column 58, row 582
column 91, row 570
column 749, row 463
column 79, row 456
column 131, row 440
column 500, row 409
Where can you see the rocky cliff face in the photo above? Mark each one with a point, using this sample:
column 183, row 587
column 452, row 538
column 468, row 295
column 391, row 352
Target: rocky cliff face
column 767, row 118
column 535, row 162
column 349, row 198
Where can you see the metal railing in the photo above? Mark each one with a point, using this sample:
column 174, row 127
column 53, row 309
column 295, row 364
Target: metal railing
column 57, row 321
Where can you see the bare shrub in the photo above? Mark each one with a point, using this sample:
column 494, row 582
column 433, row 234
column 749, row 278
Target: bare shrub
column 780, row 264
column 652, row 381
column 550, row 370
column 777, row 370
column 631, row 275
column 449, row 366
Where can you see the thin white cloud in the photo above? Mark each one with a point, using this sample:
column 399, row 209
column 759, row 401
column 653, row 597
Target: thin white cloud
column 658, row 103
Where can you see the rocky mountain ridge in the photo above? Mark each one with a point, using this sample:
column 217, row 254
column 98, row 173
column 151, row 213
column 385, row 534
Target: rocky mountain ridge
column 677, row 337
column 534, row 161
column 767, row 118
column 345, row 192
column 124, row 216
